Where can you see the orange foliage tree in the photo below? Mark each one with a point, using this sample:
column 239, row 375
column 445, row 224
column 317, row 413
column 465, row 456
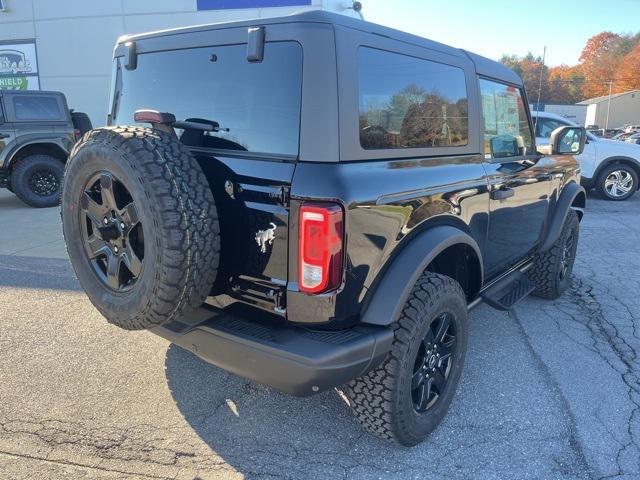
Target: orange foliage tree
column 606, row 58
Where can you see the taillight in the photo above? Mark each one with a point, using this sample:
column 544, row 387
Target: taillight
column 320, row 244
column 77, row 133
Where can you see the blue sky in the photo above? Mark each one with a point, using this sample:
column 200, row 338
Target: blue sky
column 494, row 27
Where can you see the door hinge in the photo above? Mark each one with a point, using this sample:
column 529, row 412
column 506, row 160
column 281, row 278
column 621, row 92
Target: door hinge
column 284, row 196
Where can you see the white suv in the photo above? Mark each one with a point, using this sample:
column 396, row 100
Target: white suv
column 610, row 166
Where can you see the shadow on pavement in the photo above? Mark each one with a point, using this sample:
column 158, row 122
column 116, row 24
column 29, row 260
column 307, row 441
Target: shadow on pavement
column 37, row 273
column 501, row 422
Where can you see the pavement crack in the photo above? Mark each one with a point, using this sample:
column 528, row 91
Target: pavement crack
column 574, row 442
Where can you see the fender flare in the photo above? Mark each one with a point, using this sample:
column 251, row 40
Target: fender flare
column 569, row 194
column 388, row 297
column 10, row 153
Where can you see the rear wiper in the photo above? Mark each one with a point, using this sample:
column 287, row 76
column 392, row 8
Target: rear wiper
column 209, row 126
column 166, row 122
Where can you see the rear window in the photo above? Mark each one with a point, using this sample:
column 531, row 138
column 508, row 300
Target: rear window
column 259, row 103
column 408, row 102
column 36, row 108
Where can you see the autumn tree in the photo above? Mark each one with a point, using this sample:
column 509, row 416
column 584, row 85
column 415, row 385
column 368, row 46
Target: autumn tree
column 628, row 71
column 564, row 84
column 528, row 68
column 599, row 61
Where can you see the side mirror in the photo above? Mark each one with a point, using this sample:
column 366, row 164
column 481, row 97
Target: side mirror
column 568, row 140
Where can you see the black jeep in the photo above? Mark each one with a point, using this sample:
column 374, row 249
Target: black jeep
column 37, row 131
column 319, row 202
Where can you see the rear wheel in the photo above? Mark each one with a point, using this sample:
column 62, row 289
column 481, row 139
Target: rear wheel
column 37, row 180
column 617, row 182
column 140, row 225
column 406, row 397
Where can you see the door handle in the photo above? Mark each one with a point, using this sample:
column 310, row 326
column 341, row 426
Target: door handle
column 503, row 193
column 4, row 135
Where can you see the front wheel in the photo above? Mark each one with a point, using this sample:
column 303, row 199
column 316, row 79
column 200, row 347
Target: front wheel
column 617, row 182
column 406, row 397
column 551, row 271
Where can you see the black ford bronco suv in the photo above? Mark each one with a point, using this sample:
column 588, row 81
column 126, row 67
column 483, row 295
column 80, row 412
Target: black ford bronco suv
column 37, row 131
column 318, row 202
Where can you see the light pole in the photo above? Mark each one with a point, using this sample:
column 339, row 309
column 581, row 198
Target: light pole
column 606, row 125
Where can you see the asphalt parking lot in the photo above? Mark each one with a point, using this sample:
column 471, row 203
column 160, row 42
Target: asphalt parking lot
column 549, row 391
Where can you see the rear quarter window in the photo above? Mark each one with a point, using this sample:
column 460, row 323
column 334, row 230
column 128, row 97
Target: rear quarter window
column 257, row 105
column 409, row 102
column 40, row 107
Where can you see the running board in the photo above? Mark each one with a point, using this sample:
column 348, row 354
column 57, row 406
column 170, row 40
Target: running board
column 507, row 292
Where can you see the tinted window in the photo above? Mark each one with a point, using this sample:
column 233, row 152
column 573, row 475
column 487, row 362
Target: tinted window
column 259, row 103
column 506, row 127
column 545, row 126
column 407, row 102
column 36, row 108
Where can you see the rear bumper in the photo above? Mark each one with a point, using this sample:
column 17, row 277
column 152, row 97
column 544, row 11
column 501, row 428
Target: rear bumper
column 294, row 360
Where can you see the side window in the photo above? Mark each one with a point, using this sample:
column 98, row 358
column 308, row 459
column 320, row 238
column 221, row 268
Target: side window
column 408, row 102
column 36, row 108
column 547, row 125
column 506, row 128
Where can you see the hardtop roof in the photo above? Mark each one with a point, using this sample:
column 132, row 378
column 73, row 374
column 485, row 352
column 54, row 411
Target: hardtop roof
column 484, row 66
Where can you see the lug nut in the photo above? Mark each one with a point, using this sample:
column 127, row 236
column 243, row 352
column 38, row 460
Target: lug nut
column 121, row 224
column 115, row 249
column 105, row 220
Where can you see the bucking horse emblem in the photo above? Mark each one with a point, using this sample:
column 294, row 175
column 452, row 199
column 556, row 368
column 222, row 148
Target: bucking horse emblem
column 264, row 237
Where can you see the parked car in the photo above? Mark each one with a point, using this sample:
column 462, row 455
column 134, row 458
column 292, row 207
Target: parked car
column 611, row 167
column 37, row 131
column 314, row 224
column 633, row 138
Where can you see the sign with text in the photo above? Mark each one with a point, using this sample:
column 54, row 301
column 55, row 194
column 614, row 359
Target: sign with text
column 19, row 66
column 229, row 4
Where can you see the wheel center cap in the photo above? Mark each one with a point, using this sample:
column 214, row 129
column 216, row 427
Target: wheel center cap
column 109, row 232
column 432, row 361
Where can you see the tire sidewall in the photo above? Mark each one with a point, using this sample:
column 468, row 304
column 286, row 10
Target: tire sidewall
column 612, row 168
column 22, row 173
column 115, row 306
column 418, row 425
column 572, row 225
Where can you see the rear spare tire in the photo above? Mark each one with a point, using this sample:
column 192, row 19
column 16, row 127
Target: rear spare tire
column 140, row 225
column 81, row 121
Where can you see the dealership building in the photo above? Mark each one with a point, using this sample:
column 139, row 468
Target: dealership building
column 67, row 45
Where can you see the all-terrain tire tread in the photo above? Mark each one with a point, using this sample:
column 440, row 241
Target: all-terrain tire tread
column 544, row 270
column 371, row 396
column 186, row 265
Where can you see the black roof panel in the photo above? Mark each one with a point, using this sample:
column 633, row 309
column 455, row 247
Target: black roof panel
column 484, row 66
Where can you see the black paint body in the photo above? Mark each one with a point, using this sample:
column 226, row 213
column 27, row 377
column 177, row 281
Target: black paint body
column 390, row 197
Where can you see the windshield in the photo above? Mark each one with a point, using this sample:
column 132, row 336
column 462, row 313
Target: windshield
column 256, row 105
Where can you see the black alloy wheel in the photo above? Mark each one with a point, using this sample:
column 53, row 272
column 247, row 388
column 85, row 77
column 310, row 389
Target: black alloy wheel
column 408, row 394
column 567, row 256
column 432, row 366
column 112, row 232
column 44, row 183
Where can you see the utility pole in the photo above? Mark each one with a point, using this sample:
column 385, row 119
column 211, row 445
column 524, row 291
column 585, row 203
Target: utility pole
column 606, row 126
column 544, row 55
